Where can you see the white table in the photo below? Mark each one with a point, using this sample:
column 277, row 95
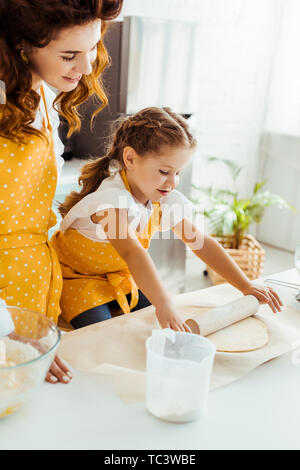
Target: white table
column 260, row 411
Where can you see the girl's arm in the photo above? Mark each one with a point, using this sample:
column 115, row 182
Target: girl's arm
column 115, row 225
column 214, row 255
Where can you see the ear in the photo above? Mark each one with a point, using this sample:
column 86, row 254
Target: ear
column 129, row 157
column 22, row 45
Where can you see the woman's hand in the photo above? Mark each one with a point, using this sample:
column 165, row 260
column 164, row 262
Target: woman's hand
column 265, row 295
column 168, row 318
column 58, row 372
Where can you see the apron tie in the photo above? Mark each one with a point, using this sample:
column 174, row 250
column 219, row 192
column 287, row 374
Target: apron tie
column 25, row 240
column 115, row 279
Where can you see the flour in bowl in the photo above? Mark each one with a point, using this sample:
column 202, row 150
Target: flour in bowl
column 19, row 352
column 16, row 383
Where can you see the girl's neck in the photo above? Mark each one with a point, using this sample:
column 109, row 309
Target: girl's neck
column 135, row 191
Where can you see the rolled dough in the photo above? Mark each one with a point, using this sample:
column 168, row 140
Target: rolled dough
column 245, row 336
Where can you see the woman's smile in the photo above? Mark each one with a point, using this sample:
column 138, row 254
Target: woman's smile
column 73, row 80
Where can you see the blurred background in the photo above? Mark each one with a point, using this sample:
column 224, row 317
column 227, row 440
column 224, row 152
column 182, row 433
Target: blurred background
column 231, row 68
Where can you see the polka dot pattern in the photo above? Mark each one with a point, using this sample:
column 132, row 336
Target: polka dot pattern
column 94, row 273
column 29, row 267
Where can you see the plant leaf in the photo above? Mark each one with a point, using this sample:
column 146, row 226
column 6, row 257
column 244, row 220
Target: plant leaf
column 231, row 165
column 258, row 186
column 229, row 215
column 222, row 219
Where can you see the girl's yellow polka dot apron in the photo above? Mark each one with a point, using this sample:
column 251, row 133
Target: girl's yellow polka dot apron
column 30, row 275
column 93, row 272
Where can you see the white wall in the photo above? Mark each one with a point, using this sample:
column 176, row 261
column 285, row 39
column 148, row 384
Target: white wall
column 235, row 50
column 167, row 9
column 280, row 163
column 281, row 227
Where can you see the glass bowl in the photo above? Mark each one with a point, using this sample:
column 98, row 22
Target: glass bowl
column 25, row 357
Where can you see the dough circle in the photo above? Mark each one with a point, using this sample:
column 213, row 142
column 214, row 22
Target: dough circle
column 245, row 336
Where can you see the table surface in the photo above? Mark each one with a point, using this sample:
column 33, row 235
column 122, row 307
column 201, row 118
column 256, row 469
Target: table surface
column 259, row 411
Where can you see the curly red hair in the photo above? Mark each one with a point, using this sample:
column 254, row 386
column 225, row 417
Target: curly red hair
column 17, row 18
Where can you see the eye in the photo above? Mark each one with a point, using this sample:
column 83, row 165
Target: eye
column 68, row 59
column 165, row 173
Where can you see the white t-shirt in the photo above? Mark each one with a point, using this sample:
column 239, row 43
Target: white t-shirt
column 112, row 193
column 6, row 323
column 54, row 121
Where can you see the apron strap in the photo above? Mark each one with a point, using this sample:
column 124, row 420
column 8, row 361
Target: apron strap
column 46, row 110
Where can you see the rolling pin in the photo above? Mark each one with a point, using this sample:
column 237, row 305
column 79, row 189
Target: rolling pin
column 216, row 319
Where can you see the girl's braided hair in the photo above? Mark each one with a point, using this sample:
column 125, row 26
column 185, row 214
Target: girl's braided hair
column 146, row 132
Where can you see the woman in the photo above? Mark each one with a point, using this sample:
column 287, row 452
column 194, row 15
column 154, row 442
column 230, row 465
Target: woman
column 59, row 43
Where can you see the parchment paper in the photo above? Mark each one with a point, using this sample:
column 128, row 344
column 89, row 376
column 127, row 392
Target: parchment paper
column 116, row 347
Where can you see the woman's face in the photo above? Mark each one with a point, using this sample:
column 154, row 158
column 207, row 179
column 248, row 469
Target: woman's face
column 65, row 59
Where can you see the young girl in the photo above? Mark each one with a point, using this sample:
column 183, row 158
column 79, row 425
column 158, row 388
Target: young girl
column 106, row 230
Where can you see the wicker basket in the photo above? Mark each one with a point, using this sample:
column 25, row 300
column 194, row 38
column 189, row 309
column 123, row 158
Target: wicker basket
column 250, row 257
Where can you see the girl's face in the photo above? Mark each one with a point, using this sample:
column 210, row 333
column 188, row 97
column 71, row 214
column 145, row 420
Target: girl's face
column 66, row 58
column 153, row 177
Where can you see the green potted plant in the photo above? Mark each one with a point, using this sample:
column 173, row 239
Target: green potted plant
column 230, row 216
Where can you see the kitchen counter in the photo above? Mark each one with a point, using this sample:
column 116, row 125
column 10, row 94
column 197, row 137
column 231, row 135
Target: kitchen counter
column 70, row 173
column 259, row 411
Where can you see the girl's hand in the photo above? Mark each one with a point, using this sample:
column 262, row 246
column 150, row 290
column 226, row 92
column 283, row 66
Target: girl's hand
column 265, row 295
column 58, row 372
column 168, row 318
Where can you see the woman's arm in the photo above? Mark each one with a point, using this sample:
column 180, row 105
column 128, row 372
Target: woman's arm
column 115, row 225
column 58, row 372
column 214, row 255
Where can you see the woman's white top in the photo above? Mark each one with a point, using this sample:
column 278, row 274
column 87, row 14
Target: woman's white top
column 112, row 193
column 54, row 121
column 6, row 323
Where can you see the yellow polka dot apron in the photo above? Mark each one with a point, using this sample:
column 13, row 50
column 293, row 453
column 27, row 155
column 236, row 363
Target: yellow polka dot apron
column 93, row 272
column 30, row 275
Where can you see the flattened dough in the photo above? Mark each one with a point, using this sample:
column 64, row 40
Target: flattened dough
column 245, row 336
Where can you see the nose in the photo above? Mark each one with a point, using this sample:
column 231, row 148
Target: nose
column 85, row 65
column 172, row 181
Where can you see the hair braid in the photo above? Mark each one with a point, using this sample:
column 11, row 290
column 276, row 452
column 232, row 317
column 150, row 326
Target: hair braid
column 146, row 132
